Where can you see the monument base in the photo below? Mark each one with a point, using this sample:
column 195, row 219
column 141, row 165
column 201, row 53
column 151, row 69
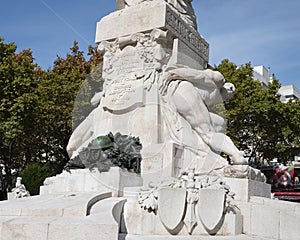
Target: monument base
column 59, row 213
column 84, row 180
column 68, row 216
column 151, row 225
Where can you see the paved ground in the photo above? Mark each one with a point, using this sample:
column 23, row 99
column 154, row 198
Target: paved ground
column 239, row 237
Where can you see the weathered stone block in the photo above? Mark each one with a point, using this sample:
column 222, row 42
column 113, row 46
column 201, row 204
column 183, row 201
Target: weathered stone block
column 289, row 226
column 149, row 16
column 245, row 209
column 80, row 228
column 233, row 225
column 265, row 221
column 26, row 228
column 245, row 188
column 83, row 180
column 281, row 205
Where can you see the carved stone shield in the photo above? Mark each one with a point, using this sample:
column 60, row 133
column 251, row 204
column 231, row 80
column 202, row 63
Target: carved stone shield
column 171, row 206
column 210, row 209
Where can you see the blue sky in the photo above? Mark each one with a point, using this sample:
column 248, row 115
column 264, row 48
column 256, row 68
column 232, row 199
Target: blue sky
column 263, row 32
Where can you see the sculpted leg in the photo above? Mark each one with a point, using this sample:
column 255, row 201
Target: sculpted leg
column 190, row 105
column 218, row 122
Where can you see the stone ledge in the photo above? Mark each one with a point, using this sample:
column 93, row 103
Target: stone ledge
column 71, row 204
column 104, row 217
column 245, row 188
column 156, row 237
column 149, row 16
column 83, row 180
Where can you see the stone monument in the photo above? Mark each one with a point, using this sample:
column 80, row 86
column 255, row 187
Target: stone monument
column 146, row 163
column 157, row 87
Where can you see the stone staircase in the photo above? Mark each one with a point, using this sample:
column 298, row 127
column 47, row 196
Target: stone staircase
column 72, row 216
column 67, row 211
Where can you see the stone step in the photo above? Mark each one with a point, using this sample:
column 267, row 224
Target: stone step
column 56, row 205
column 280, row 218
column 156, row 237
column 99, row 220
column 51, row 228
column 84, row 180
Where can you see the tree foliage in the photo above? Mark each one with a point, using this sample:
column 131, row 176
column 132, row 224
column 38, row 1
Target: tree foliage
column 36, row 106
column 18, row 101
column 34, row 175
column 57, row 91
column 258, row 122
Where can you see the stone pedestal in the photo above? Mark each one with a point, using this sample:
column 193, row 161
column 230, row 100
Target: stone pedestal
column 246, row 188
column 190, row 49
column 84, row 180
column 150, row 224
column 162, row 162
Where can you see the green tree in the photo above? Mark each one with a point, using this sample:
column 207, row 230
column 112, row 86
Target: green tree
column 257, row 121
column 34, row 175
column 57, row 90
column 36, row 106
column 18, row 101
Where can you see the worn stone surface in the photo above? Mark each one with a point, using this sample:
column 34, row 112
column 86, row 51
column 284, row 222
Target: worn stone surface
column 175, row 198
column 70, row 216
column 265, row 221
column 156, row 237
column 120, row 4
column 245, row 188
column 84, row 180
column 55, row 205
column 24, row 228
column 289, row 225
column 245, row 209
column 211, row 209
column 233, row 225
column 156, row 89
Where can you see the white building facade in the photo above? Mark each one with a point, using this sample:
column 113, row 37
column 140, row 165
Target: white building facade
column 287, row 93
column 262, row 74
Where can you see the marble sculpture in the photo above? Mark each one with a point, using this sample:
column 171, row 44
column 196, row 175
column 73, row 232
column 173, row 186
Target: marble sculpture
column 148, row 88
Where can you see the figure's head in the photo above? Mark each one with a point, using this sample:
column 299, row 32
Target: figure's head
column 229, row 90
column 19, row 181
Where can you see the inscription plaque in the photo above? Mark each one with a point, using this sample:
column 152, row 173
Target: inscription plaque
column 125, row 94
column 187, row 34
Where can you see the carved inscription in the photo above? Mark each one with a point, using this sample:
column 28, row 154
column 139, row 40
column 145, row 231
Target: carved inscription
column 127, row 62
column 187, row 34
column 124, row 94
column 119, row 91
